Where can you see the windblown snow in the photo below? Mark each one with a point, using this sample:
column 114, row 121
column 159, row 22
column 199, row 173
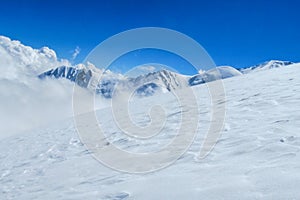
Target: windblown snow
column 256, row 157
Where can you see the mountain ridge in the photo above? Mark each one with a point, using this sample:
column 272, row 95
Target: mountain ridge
column 147, row 84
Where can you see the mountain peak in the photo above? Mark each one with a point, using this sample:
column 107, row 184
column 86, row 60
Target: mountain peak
column 147, row 84
column 266, row 65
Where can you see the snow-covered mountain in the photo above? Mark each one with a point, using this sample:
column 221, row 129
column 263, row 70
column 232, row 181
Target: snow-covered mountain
column 266, row 65
column 218, row 73
column 21, row 90
column 144, row 85
column 257, row 156
column 81, row 76
column 48, row 101
column 148, row 84
column 42, row 157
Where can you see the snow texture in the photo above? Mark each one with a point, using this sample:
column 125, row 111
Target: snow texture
column 257, row 156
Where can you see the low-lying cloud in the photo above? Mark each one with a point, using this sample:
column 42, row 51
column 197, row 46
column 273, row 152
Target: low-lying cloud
column 27, row 102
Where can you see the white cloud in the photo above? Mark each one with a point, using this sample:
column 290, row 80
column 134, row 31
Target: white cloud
column 76, row 53
column 27, row 102
column 17, row 61
column 147, row 68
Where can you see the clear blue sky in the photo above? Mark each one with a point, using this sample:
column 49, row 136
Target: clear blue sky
column 236, row 32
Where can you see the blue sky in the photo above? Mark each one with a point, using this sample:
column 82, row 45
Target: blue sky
column 240, row 33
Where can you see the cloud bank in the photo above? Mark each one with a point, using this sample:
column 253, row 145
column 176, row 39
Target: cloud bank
column 27, row 102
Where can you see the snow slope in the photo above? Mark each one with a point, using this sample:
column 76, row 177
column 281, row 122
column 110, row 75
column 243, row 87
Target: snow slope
column 267, row 65
column 221, row 72
column 257, row 156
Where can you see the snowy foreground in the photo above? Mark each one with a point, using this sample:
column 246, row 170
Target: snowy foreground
column 256, row 157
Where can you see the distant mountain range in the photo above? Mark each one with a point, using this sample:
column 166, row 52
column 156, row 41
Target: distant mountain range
column 266, row 65
column 148, row 84
column 20, row 63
